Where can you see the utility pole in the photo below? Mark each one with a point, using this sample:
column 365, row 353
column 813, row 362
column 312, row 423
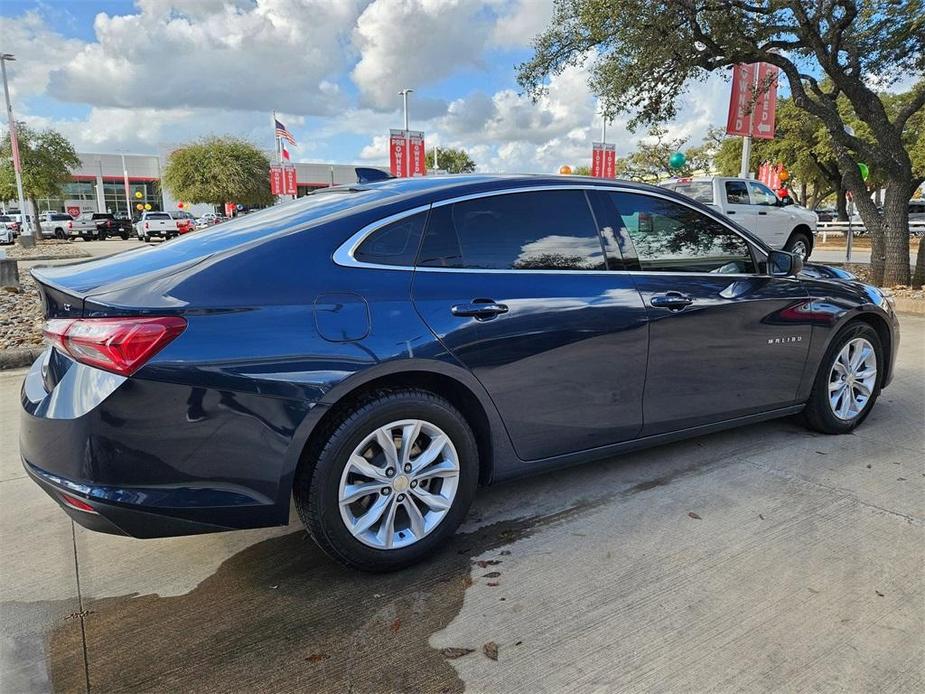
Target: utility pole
column 404, row 95
column 26, row 238
column 746, row 155
column 128, row 197
column 436, row 152
column 603, row 130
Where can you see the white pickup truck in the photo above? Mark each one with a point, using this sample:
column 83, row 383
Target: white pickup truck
column 156, row 225
column 780, row 224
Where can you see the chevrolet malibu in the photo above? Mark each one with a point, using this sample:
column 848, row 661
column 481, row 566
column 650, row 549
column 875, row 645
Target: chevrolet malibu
column 379, row 351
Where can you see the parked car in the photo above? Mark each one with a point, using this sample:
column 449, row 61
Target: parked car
column 55, row 224
column 757, row 208
column 186, row 222
column 917, row 210
column 113, row 225
column 377, row 351
column 8, row 228
column 7, row 234
column 156, row 225
column 826, row 214
column 209, row 219
column 86, row 227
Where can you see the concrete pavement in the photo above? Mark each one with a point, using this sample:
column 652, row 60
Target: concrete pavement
column 764, row 558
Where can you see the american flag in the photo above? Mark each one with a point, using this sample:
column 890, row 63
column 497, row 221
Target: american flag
column 283, row 132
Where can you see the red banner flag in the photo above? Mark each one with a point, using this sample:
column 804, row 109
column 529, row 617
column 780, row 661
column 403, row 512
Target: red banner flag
column 398, row 145
column 610, row 161
column 597, row 159
column 290, row 184
column 417, row 165
column 765, row 110
column 276, row 180
column 739, row 120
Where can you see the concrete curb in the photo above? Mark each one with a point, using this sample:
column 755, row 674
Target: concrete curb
column 904, row 304
column 19, row 358
column 51, row 257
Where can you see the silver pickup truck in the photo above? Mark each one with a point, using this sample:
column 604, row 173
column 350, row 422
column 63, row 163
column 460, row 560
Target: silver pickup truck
column 156, row 225
column 86, row 227
column 779, row 223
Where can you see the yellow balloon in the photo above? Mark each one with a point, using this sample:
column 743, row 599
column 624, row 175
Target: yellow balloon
column 139, row 194
column 147, row 205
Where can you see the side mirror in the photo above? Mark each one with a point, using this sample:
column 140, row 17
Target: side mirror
column 784, row 264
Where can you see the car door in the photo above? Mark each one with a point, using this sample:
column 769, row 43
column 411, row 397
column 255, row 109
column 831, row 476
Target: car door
column 738, row 204
column 517, row 287
column 725, row 339
column 772, row 222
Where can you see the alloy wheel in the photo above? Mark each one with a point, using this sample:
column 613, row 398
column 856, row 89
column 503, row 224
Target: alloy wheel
column 852, row 378
column 800, row 249
column 398, row 484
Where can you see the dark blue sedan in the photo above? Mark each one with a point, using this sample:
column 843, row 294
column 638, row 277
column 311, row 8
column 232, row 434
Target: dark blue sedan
column 378, row 351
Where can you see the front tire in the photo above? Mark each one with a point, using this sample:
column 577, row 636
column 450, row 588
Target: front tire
column 848, row 381
column 390, row 480
column 800, row 244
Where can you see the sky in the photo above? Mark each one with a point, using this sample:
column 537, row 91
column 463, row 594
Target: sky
column 143, row 76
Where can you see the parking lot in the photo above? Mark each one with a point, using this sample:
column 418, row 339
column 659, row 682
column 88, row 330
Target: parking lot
column 764, row 558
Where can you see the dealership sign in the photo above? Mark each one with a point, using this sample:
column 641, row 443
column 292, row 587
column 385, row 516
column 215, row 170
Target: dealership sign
column 753, row 103
column 603, row 160
column 283, row 180
column 406, row 153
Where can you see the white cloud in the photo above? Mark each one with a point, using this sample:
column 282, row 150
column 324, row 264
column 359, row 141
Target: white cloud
column 413, row 43
column 520, row 24
column 284, row 54
column 38, row 51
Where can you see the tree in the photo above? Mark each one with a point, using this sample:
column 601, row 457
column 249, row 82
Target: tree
column 645, row 53
column 217, row 170
column 451, row 160
column 47, row 160
column 649, row 161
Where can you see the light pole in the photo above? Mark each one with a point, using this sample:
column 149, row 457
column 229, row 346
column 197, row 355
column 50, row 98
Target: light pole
column 26, row 238
column 404, row 95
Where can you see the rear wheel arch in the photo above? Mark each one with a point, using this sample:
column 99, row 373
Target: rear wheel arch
column 457, row 393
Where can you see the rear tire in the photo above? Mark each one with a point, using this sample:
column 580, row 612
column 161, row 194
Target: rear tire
column 326, row 475
column 837, row 404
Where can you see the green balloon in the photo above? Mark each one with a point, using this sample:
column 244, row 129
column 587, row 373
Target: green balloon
column 677, row 160
column 865, row 172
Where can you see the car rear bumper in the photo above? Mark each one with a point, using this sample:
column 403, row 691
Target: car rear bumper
column 151, row 459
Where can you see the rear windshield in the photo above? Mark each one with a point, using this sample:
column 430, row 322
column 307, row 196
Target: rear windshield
column 4, row 218
column 702, row 191
column 158, row 215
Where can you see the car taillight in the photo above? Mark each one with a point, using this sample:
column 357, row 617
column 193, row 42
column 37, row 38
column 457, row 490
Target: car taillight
column 146, row 225
column 120, row 345
column 70, row 225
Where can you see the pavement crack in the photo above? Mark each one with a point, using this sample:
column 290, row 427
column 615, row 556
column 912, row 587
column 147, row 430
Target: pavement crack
column 82, row 613
column 914, row 520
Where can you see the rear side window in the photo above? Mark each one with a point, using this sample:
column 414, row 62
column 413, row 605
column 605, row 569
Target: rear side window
column 701, row 191
column 737, row 193
column 541, row 230
column 393, row 244
column 669, row 237
column 157, row 215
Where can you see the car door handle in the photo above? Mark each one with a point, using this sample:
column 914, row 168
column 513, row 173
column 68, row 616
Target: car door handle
column 731, row 212
column 673, row 301
column 762, row 213
column 480, row 309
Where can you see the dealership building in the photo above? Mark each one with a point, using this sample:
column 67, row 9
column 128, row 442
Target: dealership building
column 98, row 184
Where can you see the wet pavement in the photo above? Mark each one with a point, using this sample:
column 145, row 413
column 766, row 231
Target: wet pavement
column 764, row 558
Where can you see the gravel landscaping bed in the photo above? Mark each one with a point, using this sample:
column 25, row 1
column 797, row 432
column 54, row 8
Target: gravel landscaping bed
column 43, row 250
column 20, row 315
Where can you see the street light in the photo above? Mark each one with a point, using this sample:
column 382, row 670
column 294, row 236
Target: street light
column 404, row 94
column 26, row 238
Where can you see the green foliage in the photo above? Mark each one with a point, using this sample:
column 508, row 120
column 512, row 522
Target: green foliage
column 47, row 162
column 650, row 160
column 451, row 160
column 217, row 170
column 582, row 170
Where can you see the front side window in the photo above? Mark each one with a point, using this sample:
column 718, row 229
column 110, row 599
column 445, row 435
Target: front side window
column 393, row 244
column 737, row 193
column 541, row 230
column 669, row 237
column 762, row 195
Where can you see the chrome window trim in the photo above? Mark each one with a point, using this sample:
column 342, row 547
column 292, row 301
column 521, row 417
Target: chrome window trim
column 344, row 257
